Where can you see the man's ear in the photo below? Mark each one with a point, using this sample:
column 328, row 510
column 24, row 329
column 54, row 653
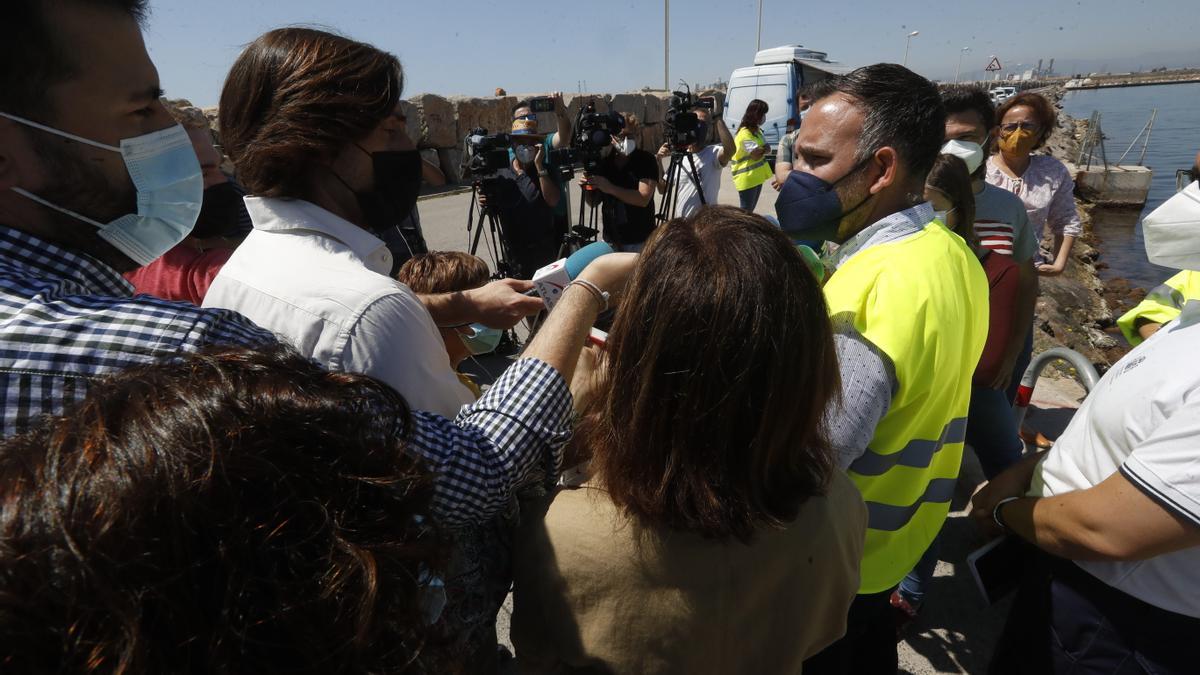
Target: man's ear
column 887, row 161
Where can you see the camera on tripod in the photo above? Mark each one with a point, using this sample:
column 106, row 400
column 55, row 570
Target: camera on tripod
column 484, row 154
column 593, row 133
column 681, row 126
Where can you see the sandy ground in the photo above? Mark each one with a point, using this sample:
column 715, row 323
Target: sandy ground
column 955, row 631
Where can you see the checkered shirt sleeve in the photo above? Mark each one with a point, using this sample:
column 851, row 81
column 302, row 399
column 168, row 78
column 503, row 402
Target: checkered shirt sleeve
column 510, row 438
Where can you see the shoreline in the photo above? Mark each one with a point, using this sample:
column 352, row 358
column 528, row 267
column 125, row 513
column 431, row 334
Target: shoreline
column 1077, row 309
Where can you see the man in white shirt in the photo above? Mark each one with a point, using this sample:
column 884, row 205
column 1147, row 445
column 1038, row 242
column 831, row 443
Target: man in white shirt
column 1117, row 502
column 709, row 160
column 331, row 171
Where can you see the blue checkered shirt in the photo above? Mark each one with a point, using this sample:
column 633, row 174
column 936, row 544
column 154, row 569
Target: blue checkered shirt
column 67, row 320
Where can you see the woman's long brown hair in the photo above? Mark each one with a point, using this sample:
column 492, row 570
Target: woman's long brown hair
column 720, row 365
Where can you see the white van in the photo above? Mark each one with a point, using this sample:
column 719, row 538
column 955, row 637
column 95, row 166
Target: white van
column 775, row 76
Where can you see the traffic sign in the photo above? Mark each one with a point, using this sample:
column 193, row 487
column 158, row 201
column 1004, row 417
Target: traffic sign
column 993, row 65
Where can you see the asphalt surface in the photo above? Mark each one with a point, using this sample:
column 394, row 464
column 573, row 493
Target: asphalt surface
column 955, row 631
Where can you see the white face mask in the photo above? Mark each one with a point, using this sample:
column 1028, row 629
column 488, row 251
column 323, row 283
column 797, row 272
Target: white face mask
column 170, row 191
column 626, row 146
column 968, row 151
column 1172, row 231
column 525, row 153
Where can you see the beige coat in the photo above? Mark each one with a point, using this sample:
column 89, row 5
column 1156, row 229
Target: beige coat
column 592, row 595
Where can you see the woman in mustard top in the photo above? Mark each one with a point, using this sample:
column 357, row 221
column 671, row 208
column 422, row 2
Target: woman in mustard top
column 749, row 166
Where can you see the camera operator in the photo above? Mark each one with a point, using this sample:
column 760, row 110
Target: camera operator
column 785, row 153
column 555, row 140
column 525, row 196
column 709, row 161
column 623, row 184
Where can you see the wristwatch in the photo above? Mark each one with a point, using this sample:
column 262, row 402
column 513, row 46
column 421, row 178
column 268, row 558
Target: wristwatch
column 543, row 173
column 997, row 516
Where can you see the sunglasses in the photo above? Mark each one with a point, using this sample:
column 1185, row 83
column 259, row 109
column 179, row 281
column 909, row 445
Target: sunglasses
column 1007, row 129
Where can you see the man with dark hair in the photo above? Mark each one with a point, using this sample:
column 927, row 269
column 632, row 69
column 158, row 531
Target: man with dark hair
column 909, row 303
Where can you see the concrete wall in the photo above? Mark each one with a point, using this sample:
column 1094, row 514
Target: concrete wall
column 437, row 124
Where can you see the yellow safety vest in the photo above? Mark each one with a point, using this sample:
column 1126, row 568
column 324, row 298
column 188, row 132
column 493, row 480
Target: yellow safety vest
column 923, row 302
column 1162, row 304
column 746, row 171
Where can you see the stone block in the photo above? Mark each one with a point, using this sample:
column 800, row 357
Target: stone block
column 654, row 106
column 493, row 114
column 413, row 126
column 630, row 103
column 438, row 126
column 652, row 137
column 450, row 160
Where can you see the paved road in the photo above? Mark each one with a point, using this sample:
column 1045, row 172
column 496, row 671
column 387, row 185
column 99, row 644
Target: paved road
column 444, row 217
column 955, row 632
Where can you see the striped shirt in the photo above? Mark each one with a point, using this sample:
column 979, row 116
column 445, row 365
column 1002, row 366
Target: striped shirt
column 67, row 320
column 1002, row 224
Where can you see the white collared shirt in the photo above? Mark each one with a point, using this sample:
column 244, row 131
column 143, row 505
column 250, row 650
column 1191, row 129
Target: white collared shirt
column 320, row 283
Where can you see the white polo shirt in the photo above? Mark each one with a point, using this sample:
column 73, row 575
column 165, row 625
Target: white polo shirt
column 1143, row 420
column 321, row 283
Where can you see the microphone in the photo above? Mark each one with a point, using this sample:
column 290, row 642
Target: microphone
column 550, row 281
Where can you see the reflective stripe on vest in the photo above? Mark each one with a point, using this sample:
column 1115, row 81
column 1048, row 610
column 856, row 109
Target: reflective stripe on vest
column 1161, row 305
column 761, row 162
column 918, row 453
column 922, row 301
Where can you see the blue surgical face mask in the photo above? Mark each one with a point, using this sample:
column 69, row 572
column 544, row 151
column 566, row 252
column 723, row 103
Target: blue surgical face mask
column 170, row 191
column 809, row 208
column 525, row 153
column 482, row 339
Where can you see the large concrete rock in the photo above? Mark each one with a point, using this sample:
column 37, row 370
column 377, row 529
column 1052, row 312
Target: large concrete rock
column 438, row 126
column 493, row 114
column 655, row 106
column 630, row 103
column 451, row 162
column 413, row 114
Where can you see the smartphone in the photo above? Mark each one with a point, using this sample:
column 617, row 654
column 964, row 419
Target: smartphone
column 541, row 104
column 997, row 567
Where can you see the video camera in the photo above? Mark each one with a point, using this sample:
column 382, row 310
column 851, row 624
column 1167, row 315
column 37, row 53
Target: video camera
column 593, row 133
column 681, row 127
column 484, row 154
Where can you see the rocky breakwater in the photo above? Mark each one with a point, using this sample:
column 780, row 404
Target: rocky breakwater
column 1073, row 308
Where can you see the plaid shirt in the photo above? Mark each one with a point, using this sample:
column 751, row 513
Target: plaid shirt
column 67, row 319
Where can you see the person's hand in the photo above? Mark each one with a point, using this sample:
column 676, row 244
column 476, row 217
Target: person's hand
column 664, row 151
column 560, row 108
column 601, row 183
column 1014, row 482
column 1050, row 270
column 584, row 381
column 775, row 183
column 503, row 303
column 611, row 273
column 539, row 160
column 758, row 152
column 482, row 199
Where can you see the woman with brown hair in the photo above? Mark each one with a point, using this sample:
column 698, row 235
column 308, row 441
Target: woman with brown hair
column 232, row 512
column 715, row 534
column 314, row 126
column 749, row 167
column 1042, row 182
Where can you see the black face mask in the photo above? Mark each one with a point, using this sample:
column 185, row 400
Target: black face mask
column 223, row 213
column 397, row 184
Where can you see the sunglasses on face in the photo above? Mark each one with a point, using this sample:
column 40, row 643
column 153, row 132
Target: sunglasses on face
column 1010, row 127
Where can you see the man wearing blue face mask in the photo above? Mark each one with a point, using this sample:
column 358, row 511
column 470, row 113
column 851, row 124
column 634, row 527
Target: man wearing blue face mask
column 909, row 303
column 96, row 179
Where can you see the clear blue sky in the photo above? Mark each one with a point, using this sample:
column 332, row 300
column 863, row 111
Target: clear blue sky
column 472, row 46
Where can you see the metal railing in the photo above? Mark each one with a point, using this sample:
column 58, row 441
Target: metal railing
column 1085, row 372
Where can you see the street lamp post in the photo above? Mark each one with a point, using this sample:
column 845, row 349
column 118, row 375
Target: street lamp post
column 908, row 42
column 759, row 42
column 667, row 45
column 962, row 51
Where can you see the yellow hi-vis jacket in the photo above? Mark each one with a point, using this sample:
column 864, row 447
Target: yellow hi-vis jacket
column 922, row 301
column 746, row 171
column 1162, row 304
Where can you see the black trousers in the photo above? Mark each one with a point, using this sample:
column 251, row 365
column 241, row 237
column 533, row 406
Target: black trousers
column 1066, row 621
column 869, row 646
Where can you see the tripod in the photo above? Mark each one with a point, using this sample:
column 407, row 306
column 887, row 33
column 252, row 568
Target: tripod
column 674, row 172
column 489, row 219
